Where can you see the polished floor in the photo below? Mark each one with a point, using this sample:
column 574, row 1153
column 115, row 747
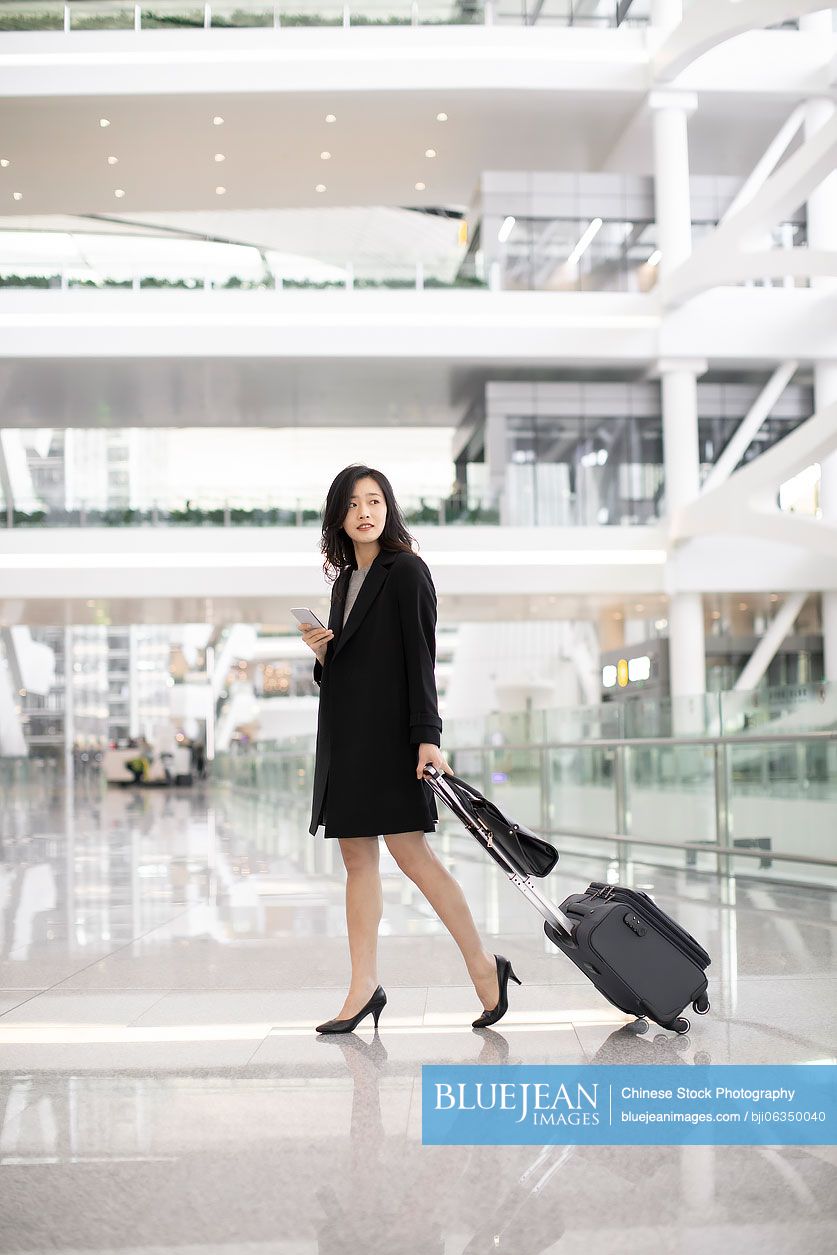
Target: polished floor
column 164, row 956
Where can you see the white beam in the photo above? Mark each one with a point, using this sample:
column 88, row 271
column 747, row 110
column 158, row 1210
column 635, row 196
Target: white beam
column 727, row 268
column 749, row 425
column 767, row 163
column 745, row 504
column 782, row 193
column 712, row 22
column 765, row 651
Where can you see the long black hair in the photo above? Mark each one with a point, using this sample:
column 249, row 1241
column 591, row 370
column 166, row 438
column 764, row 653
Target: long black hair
column 335, row 544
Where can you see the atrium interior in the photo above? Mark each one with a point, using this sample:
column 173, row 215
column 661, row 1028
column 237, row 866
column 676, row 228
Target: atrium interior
column 565, row 271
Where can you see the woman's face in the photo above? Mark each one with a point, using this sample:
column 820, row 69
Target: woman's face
column 367, row 512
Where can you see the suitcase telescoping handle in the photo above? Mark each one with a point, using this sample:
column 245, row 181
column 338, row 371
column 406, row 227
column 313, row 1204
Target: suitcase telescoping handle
column 550, row 912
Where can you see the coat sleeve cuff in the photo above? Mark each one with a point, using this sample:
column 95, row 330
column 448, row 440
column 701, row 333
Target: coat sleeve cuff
column 425, row 734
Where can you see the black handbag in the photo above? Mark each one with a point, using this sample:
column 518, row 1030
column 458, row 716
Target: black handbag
column 529, row 854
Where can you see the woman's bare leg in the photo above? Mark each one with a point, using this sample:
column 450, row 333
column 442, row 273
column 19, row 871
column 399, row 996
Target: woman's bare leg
column 364, row 907
column 418, row 861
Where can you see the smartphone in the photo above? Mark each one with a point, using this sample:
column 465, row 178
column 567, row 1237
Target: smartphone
column 303, row 615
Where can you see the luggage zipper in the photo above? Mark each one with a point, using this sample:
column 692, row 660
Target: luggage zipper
column 664, row 923
column 605, row 893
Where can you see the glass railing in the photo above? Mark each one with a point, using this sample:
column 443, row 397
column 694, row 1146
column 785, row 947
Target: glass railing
column 430, row 511
column 536, row 255
column 104, row 15
column 749, row 789
column 409, row 279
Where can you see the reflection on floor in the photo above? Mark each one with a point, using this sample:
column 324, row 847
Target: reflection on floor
column 163, row 959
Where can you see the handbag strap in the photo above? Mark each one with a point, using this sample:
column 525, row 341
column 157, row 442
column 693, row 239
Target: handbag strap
column 473, row 794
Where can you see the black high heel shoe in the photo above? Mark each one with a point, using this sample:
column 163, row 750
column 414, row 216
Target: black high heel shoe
column 375, row 1005
column 504, row 971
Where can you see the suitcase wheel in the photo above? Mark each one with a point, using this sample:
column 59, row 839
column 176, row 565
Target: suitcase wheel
column 640, row 1026
column 700, row 1006
column 681, row 1025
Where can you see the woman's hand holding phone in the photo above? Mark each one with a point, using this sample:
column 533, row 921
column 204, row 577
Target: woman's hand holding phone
column 316, row 637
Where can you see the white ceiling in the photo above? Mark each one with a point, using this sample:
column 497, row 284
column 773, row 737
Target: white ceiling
column 272, row 143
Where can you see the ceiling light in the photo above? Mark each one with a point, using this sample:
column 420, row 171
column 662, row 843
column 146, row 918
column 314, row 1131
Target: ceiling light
column 441, row 117
column 654, row 259
column 119, row 192
column 112, row 161
column 321, row 187
column 585, row 242
column 4, row 161
column 18, row 195
column 104, row 122
column 220, row 157
column 216, row 121
column 506, row 229
column 220, row 191
column 430, row 152
column 325, row 156
column 420, row 187
column 330, row 117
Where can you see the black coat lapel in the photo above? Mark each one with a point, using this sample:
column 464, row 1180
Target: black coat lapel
column 372, row 584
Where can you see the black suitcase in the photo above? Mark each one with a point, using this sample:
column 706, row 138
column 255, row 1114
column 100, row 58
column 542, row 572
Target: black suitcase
column 635, row 954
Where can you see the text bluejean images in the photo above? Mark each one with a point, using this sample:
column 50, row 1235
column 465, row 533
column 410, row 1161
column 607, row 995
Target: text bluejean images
column 732, row 1105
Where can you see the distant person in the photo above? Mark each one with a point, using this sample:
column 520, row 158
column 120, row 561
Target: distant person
column 140, row 765
column 378, row 729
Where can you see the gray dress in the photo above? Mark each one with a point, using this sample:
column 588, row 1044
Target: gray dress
column 355, row 580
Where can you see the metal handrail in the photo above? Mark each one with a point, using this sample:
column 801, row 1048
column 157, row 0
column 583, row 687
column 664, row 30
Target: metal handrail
column 614, row 742
column 705, row 847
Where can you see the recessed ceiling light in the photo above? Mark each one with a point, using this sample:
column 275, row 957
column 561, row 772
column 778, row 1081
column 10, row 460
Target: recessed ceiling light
column 104, row 122
column 321, row 187
column 4, row 161
column 430, row 152
column 325, row 156
column 112, row 161
column 220, row 191
column 330, row 117
column 18, row 195
column 220, row 157
column 216, row 121
column 441, row 117
column 420, row 187
column 119, row 192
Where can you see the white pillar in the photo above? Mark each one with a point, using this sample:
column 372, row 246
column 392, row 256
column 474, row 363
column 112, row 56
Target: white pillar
column 687, row 651
column 825, row 393
column 672, row 197
column 822, row 233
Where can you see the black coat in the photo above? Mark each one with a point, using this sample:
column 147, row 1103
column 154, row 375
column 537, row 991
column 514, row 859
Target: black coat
column 378, row 703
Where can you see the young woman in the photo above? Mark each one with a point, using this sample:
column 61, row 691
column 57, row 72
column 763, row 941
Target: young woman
column 378, row 729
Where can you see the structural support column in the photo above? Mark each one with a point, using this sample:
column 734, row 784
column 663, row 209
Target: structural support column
column 822, row 233
column 678, row 379
column 687, row 648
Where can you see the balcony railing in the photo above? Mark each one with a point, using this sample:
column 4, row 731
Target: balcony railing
column 114, row 15
column 536, row 256
column 737, row 783
column 433, row 511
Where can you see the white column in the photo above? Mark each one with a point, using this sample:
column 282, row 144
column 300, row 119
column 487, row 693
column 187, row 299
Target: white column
column 687, row 652
column 825, row 393
column 822, row 233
